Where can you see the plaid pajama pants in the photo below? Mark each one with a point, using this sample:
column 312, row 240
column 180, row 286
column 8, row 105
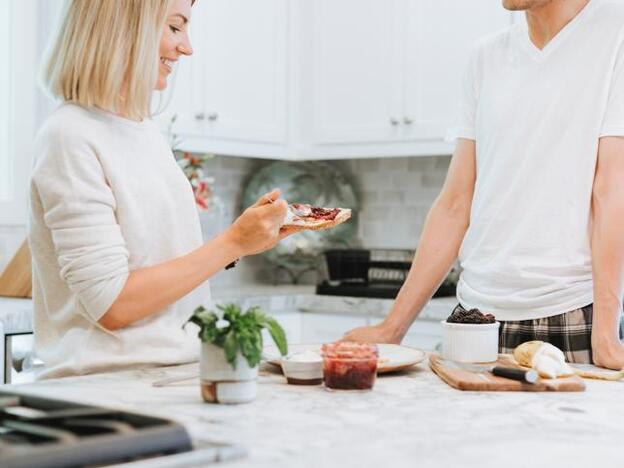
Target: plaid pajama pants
column 570, row 332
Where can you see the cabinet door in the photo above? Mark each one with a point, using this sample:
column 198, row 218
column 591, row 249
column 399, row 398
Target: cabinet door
column 326, row 328
column 184, row 96
column 244, row 49
column 351, row 74
column 439, row 36
column 290, row 322
column 425, row 335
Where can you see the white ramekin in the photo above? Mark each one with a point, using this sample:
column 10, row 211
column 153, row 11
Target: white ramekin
column 468, row 342
column 303, row 373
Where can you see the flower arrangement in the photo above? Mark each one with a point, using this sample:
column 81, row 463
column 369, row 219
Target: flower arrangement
column 191, row 164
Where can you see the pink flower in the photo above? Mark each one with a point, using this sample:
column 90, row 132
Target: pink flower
column 202, row 194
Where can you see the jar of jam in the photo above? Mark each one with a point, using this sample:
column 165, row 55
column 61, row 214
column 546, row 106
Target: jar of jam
column 349, row 366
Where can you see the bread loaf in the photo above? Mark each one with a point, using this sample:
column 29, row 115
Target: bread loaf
column 548, row 360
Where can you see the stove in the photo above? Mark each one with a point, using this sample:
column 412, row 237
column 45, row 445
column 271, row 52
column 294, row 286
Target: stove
column 44, row 433
column 376, row 273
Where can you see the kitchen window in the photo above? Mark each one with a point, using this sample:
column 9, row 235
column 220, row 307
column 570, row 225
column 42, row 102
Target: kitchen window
column 5, row 110
column 19, row 100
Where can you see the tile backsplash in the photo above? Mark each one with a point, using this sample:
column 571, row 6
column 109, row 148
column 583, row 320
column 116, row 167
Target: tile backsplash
column 395, row 196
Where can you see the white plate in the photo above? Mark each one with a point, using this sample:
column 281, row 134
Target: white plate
column 391, row 357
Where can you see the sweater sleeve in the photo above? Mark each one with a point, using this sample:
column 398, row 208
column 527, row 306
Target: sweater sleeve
column 79, row 211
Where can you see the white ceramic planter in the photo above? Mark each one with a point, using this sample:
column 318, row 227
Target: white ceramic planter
column 222, row 384
column 464, row 342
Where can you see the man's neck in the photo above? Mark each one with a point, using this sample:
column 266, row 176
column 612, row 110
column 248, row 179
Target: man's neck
column 547, row 20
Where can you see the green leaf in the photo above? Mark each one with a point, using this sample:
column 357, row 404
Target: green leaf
column 230, row 346
column 251, row 346
column 278, row 334
column 202, row 317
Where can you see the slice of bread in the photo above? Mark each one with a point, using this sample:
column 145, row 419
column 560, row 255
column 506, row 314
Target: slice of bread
column 317, row 224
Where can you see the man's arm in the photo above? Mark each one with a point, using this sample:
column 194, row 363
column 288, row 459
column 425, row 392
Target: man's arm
column 607, row 244
column 441, row 238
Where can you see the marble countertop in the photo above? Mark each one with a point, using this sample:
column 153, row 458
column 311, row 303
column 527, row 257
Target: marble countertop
column 411, row 419
column 16, row 315
column 304, row 299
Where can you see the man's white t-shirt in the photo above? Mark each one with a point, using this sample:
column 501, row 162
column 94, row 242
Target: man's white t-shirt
column 536, row 117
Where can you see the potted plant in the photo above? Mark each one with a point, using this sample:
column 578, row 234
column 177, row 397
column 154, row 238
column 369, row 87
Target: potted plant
column 231, row 351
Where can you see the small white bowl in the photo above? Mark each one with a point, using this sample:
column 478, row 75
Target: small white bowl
column 470, row 342
column 303, row 372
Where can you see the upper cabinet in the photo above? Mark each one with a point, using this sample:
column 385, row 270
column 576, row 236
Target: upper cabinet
column 439, row 36
column 351, row 71
column 300, row 79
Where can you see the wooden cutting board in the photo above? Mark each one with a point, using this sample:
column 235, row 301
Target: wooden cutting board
column 487, row 382
column 16, row 280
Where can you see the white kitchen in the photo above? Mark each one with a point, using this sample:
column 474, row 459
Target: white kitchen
column 311, row 233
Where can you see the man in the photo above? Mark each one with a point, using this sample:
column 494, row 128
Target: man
column 533, row 202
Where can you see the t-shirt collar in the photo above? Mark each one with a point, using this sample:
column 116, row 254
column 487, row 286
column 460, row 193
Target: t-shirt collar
column 539, row 55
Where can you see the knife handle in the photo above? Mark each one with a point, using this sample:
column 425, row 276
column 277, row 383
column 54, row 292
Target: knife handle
column 522, row 375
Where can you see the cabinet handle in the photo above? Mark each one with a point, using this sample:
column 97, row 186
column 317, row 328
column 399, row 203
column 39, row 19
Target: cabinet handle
column 394, row 122
column 213, row 116
column 408, row 121
column 200, row 116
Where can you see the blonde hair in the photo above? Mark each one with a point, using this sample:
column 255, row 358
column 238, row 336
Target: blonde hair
column 106, row 54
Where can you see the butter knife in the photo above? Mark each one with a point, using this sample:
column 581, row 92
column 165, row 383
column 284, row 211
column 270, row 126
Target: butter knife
column 513, row 373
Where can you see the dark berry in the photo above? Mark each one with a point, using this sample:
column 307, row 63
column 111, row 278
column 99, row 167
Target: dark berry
column 470, row 316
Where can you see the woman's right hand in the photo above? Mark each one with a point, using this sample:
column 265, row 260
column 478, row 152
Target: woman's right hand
column 257, row 229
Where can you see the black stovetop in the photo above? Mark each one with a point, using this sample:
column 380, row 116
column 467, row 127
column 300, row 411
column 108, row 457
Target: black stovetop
column 40, row 432
column 376, row 289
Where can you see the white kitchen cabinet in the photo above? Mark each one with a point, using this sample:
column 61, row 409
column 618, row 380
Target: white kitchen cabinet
column 439, row 37
column 424, row 334
column 326, row 328
column 352, row 72
column 322, row 79
column 291, row 322
column 230, row 96
column 244, row 50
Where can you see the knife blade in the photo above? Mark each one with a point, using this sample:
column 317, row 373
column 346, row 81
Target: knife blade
column 513, row 373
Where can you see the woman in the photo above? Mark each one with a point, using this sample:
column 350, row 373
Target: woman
column 118, row 259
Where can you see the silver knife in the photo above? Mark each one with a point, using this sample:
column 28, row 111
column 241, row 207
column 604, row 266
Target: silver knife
column 513, row 373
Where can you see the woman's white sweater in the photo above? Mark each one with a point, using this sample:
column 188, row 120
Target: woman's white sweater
column 107, row 198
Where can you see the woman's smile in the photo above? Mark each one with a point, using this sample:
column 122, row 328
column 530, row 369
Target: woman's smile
column 167, row 64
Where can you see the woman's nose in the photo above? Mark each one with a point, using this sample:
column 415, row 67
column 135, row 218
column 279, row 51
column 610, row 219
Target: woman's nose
column 185, row 47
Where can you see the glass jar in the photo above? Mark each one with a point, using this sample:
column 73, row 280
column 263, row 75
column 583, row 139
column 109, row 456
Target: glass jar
column 349, row 366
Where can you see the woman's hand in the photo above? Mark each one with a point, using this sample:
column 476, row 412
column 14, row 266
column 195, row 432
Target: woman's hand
column 259, row 227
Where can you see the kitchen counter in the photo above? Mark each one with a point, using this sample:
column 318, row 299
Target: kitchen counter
column 305, row 299
column 411, row 419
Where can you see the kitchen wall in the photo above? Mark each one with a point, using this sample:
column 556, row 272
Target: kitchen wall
column 395, row 195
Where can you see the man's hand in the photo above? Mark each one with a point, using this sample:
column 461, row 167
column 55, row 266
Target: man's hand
column 379, row 333
column 608, row 354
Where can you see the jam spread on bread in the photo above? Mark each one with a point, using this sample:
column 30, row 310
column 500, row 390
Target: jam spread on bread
column 314, row 212
column 325, row 213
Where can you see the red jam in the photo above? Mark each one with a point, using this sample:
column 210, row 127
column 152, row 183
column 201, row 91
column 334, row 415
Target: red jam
column 349, row 366
column 324, row 213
